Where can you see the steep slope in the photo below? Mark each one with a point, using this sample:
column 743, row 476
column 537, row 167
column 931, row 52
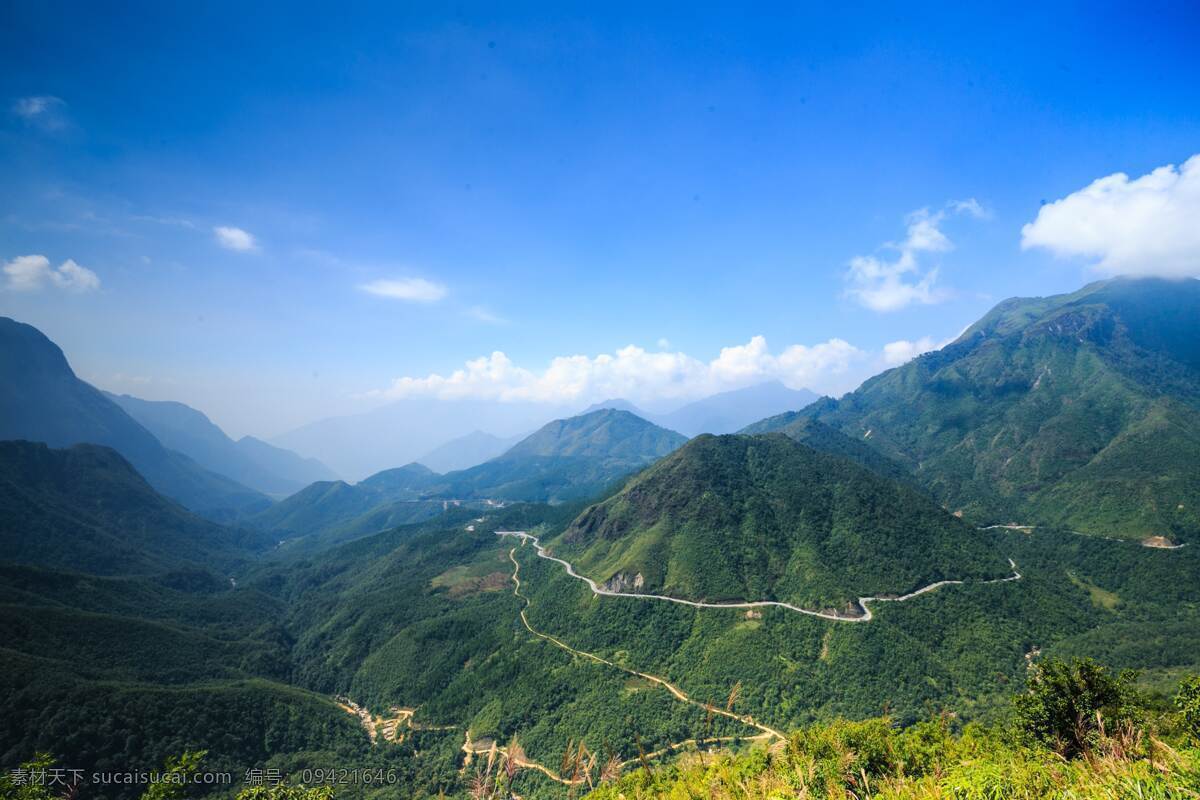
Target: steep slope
column 249, row 461
column 766, row 518
column 567, row 459
column 1079, row 410
column 466, row 451
column 86, row 508
column 41, row 400
column 819, row 436
column 727, row 412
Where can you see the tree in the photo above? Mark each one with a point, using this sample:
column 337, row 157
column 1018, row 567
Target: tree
column 1067, row 705
column 1188, row 703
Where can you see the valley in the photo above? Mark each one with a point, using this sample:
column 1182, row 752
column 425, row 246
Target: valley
column 606, row 597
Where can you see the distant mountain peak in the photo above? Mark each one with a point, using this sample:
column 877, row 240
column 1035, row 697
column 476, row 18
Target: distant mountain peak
column 617, row 404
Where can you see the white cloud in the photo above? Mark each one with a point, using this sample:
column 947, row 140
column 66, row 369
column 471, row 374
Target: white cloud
column 1145, row 226
column 414, row 290
column 235, row 239
column 75, row 278
column 903, row 351
column 44, row 111
column 30, row 273
column 635, row 374
column 882, row 284
column 664, row 343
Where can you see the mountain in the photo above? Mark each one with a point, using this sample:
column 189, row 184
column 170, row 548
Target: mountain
column 292, row 469
column 566, row 459
column 1079, row 410
column 767, row 518
column 41, row 400
column 85, row 508
column 730, row 411
column 466, row 451
column 819, row 436
column 617, row 404
column 329, row 504
column 249, row 461
column 359, row 445
column 609, row 434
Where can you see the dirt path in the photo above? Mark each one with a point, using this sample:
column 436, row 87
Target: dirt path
column 863, row 602
column 1151, row 542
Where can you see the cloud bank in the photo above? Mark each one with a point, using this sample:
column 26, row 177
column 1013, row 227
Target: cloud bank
column 882, row 284
column 636, row 374
column 33, row 272
column 1145, row 226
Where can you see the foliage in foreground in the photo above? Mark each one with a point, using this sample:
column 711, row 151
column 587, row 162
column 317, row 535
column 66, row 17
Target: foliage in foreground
column 172, row 783
column 1078, row 732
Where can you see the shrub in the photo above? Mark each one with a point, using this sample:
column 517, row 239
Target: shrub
column 1068, row 705
column 1188, row 703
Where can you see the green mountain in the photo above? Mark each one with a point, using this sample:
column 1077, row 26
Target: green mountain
column 41, row 400
column 1079, row 410
column 767, row 518
column 828, row 439
column 327, row 505
column 248, row 461
column 119, row 673
column 86, row 508
column 567, row 459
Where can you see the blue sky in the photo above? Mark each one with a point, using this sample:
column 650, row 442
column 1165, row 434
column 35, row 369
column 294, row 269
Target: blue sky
column 544, row 182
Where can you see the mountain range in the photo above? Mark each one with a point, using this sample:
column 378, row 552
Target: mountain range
column 135, row 629
column 564, row 460
column 42, row 400
column 448, row 435
column 249, row 461
column 1079, row 411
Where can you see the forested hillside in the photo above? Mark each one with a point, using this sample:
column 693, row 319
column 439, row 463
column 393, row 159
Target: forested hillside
column 85, row 508
column 1080, row 411
column 768, row 518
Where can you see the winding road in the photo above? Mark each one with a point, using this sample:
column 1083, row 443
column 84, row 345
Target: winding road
column 678, row 693
column 863, row 602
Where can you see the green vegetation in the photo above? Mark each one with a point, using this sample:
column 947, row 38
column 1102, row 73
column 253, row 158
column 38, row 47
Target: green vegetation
column 1080, row 411
column 43, row 779
column 768, row 518
column 941, row 758
column 85, row 508
column 565, row 460
column 568, row 459
column 124, row 641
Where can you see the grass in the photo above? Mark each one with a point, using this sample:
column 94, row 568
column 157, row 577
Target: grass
column 1101, row 598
